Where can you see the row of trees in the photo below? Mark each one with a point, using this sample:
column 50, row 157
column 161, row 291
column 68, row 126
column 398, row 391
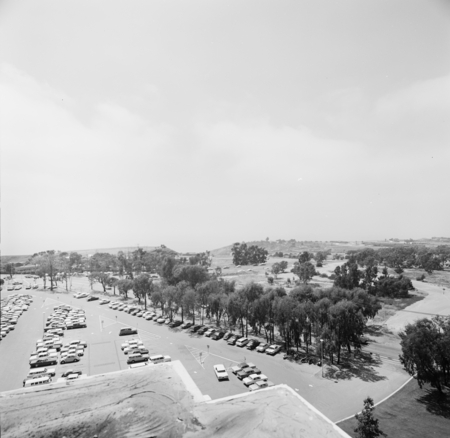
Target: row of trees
column 106, row 268
column 405, row 256
column 336, row 316
column 349, row 276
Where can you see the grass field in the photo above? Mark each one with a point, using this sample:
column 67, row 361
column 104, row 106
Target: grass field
column 411, row 412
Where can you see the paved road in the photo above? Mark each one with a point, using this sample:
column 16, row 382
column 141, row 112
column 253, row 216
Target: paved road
column 104, row 355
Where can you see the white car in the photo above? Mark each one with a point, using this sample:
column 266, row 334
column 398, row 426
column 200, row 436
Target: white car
column 253, row 378
column 273, row 349
column 260, row 384
column 221, row 372
column 209, row 332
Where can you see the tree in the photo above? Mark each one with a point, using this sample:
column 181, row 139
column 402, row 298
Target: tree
column 347, row 275
column 283, row 265
column 426, row 351
column 248, row 255
column 47, row 263
column 304, row 271
column 102, row 278
column 367, row 424
column 124, row 286
column 125, row 264
column 304, row 257
column 276, row 269
column 142, row 287
column 10, row 269
column 193, row 274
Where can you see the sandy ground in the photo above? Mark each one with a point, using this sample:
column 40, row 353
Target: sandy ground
column 155, row 401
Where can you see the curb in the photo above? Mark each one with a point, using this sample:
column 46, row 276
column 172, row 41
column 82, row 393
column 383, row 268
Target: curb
column 378, row 403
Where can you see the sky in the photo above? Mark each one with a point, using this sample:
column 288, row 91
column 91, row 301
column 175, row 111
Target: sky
column 196, row 124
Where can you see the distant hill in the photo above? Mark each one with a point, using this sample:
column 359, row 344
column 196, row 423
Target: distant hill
column 23, row 258
column 294, row 246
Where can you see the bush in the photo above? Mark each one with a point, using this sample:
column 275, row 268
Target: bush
column 324, row 275
column 421, row 278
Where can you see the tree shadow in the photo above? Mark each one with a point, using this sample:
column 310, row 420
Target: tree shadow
column 360, row 367
column 436, row 403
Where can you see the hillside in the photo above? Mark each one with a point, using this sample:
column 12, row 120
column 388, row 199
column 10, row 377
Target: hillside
column 293, row 246
column 84, row 252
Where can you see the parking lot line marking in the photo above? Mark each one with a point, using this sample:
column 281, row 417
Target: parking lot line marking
column 199, row 355
column 145, row 335
column 225, row 358
column 107, row 321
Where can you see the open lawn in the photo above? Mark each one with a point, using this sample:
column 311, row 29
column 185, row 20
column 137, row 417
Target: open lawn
column 411, row 412
column 439, row 278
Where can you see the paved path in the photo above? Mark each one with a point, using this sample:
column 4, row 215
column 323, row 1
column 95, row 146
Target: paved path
column 437, row 302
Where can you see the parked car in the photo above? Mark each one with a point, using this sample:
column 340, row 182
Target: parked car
column 175, row 324
column 273, row 349
column 262, row 348
column 202, row 330
column 221, row 372
column 236, row 368
column 161, row 320
column 253, row 378
column 128, row 331
column 135, row 358
column 245, row 372
column 210, row 332
column 92, row 298
column 103, row 301
column 242, row 342
column 195, row 328
column 228, row 336
column 140, row 314
column 260, row 384
column 233, row 340
column 42, row 362
column 217, row 335
column 186, row 325
column 69, row 359
column 252, row 344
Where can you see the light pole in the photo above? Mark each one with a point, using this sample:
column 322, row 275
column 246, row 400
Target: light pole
column 321, row 353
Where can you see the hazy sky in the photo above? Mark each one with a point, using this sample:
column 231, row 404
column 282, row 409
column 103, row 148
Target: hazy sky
column 196, row 124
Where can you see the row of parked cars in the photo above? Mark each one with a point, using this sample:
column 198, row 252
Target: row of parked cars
column 11, row 309
column 65, row 317
column 18, row 286
column 248, row 373
column 138, row 355
column 50, row 349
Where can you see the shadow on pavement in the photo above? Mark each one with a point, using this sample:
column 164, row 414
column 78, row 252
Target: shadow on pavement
column 360, row 367
column 436, row 403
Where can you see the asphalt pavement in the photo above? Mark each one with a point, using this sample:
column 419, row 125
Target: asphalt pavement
column 197, row 353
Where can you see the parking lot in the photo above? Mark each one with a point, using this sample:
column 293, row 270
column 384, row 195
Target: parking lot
column 197, row 353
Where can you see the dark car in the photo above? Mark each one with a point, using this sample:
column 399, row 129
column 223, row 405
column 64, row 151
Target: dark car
column 128, row 331
column 92, row 298
column 233, row 340
column 253, row 344
column 227, row 336
column 217, row 335
column 174, row 324
column 66, row 373
column 76, row 325
column 138, row 358
column 202, row 330
column 42, row 362
column 245, row 373
column 187, row 325
column 196, row 328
